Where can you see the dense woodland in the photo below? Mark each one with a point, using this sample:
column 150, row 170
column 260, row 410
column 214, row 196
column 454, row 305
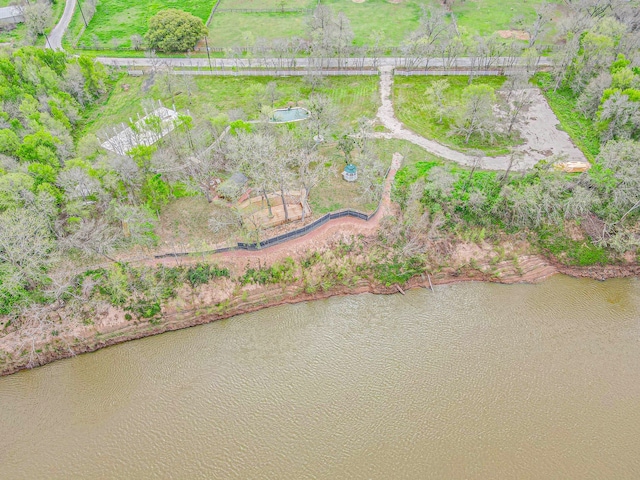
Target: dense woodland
column 66, row 203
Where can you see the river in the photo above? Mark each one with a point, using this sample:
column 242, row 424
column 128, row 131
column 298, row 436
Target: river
column 472, row 381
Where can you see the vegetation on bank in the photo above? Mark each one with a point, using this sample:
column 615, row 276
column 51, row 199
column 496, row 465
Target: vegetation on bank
column 71, row 210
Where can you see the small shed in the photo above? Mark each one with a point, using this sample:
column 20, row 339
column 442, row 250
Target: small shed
column 350, row 173
column 10, row 16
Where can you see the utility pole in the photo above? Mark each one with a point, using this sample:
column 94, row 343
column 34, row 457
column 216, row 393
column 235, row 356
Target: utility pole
column 47, row 39
column 82, row 13
column 208, row 56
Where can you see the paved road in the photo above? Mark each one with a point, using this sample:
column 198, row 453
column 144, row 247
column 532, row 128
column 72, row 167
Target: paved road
column 297, row 62
column 55, row 37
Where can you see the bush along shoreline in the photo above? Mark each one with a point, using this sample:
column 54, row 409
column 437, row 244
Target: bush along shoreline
column 125, row 302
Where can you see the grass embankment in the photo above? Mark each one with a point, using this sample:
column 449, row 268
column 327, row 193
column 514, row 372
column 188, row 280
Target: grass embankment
column 563, row 103
column 413, row 108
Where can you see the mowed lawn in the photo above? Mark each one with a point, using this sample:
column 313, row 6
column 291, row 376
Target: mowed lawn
column 264, row 4
column 354, row 97
column 120, row 19
column 231, row 29
column 373, row 19
column 413, row 108
column 484, row 17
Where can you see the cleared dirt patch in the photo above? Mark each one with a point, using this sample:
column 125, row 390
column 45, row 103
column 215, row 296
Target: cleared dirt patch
column 517, row 34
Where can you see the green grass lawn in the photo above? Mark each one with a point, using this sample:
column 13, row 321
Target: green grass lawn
column 264, row 4
column 563, row 103
column 370, row 20
column 391, row 22
column 354, row 97
column 230, row 29
column 120, row 19
column 414, row 111
column 486, row 16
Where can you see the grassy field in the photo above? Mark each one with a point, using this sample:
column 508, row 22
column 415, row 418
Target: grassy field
column 264, row 4
column 391, row 22
column 412, row 108
column 370, row 20
column 230, row 29
column 563, row 103
column 354, row 96
column 486, row 16
column 120, row 19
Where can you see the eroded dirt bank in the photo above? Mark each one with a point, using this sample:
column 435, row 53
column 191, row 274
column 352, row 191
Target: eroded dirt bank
column 223, row 299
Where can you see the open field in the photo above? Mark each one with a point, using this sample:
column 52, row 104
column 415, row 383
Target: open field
column 373, row 20
column 119, row 19
column 264, row 4
column 391, row 22
column 413, row 109
column 354, row 96
column 230, row 29
column 487, row 16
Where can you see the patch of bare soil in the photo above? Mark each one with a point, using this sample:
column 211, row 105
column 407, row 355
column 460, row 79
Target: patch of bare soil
column 517, row 34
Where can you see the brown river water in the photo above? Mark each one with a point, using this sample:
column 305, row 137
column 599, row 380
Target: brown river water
column 476, row 381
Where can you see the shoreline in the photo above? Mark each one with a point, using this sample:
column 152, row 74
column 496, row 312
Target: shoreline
column 535, row 270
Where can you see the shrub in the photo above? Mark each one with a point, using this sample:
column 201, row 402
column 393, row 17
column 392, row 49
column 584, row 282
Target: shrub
column 173, row 30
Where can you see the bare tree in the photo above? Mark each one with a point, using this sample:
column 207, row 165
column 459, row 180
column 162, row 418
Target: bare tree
column 619, row 116
column 436, row 97
column 27, row 250
column 476, row 116
column 92, row 237
column 252, row 153
column 37, row 16
column 311, row 172
column 136, row 41
column 544, row 14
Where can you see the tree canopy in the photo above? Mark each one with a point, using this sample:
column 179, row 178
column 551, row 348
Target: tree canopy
column 173, row 30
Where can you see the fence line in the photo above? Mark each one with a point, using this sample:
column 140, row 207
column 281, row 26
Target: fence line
column 213, row 10
column 269, row 242
column 275, row 73
column 265, row 10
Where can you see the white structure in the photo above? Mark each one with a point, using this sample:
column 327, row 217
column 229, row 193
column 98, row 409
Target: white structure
column 11, row 16
column 146, row 131
column 350, row 173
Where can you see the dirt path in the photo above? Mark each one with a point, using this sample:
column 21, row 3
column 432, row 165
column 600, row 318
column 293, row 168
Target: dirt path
column 539, row 130
column 333, row 229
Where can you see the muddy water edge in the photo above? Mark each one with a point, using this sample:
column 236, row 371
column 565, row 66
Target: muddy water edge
column 475, row 381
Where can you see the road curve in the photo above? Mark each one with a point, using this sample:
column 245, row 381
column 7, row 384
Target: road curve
column 56, row 35
column 541, row 142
